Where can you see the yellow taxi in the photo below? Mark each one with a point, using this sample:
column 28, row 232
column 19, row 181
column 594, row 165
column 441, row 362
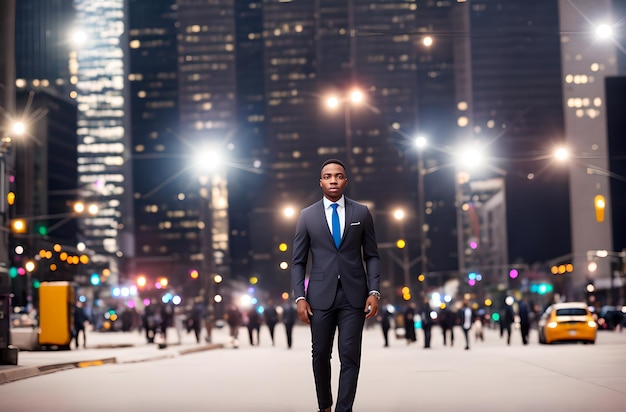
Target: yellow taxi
column 569, row 321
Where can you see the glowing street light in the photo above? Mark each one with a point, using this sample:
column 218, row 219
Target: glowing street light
column 470, row 157
column 353, row 97
column 356, row 96
column 420, row 142
column 18, row 128
column 81, row 207
column 398, row 214
column 141, row 281
column 332, row 102
column 561, row 154
column 289, row 212
column 209, row 159
column 604, row 31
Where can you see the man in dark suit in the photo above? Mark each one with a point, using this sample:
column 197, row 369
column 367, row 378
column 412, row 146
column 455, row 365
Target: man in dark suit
column 466, row 318
column 523, row 311
column 289, row 319
column 343, row 287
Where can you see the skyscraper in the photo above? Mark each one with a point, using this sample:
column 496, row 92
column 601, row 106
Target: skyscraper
column 162, row 221
column 43, row 44
column 513, row 95
column 588, row 59
column 104, row 167
column 312, row 50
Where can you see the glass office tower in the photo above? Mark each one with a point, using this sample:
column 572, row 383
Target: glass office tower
column 104, row 170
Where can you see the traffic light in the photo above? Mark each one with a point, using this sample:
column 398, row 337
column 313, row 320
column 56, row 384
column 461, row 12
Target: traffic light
column 541, row 288
column 400, row 243
column 42, row 229
column 18, row 226
column 599, row 203
column 95, row 279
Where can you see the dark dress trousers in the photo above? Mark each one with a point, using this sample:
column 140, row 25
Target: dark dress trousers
column 340, row 280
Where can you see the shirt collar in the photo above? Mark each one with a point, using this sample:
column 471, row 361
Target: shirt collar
column 341, row 202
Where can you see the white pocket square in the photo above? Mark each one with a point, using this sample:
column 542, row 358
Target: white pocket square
column 355, row 223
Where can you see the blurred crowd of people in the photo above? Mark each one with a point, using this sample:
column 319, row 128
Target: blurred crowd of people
column 156, row 318
column 406, row 321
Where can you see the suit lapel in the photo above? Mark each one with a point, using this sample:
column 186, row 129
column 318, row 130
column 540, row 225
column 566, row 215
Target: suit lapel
column 349, row 212
column 322, row 214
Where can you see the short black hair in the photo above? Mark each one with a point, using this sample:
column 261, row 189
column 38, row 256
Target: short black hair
column 336, row 161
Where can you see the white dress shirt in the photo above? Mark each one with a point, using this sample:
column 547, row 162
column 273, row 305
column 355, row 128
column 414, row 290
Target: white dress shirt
column 341, row 211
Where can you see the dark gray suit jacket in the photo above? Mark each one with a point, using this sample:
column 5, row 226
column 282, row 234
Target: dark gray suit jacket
column 356, row 260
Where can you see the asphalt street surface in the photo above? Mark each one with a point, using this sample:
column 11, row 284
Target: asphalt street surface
column 491, row 376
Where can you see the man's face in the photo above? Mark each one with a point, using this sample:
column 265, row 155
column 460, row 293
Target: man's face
column 333, row 181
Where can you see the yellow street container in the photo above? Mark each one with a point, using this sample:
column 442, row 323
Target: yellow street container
column 56, row 311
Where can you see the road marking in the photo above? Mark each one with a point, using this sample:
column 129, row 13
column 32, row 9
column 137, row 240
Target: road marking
column 87, row 364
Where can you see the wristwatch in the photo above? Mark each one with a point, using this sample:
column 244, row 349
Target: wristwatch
column 375, row 293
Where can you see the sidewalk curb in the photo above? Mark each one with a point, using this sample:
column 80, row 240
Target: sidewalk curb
column 19, row 373
column 201, row 348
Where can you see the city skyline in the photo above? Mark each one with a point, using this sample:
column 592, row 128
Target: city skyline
column 272, row 64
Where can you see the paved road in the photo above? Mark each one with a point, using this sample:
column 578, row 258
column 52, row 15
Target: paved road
column 490, row 377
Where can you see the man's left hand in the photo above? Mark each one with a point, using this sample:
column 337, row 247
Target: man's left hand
column 371, row 307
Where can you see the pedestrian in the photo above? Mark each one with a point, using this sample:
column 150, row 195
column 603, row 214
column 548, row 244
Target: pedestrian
column 466, row 319
column 523, row 311
column 178, row 323
column 167, row 318
column 289, row 319
column 254, row 325
column 344, row 282
column 197, row 317
column 478, row 329
column 234, row 320
column 150, row 321
column 385, row 322
column 127, row 319
column 79, row 324
column 409, row 324
column 209, row 322
column 270, row 315
column 427, row 322
column 447, row 320
column 507, row 319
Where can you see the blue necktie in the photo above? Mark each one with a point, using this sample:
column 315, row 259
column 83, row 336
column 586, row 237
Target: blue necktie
column 336, row 226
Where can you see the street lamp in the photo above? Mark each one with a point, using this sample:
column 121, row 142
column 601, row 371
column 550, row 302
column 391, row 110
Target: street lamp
column 563, row 155
column 420, row 143
column 591, row 203
column 399, row 215
column 207, row 162
column 19, row 225
column 30, row 267
column 354, row 97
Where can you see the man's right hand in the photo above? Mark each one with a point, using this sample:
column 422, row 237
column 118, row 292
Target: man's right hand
column 304, row 311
